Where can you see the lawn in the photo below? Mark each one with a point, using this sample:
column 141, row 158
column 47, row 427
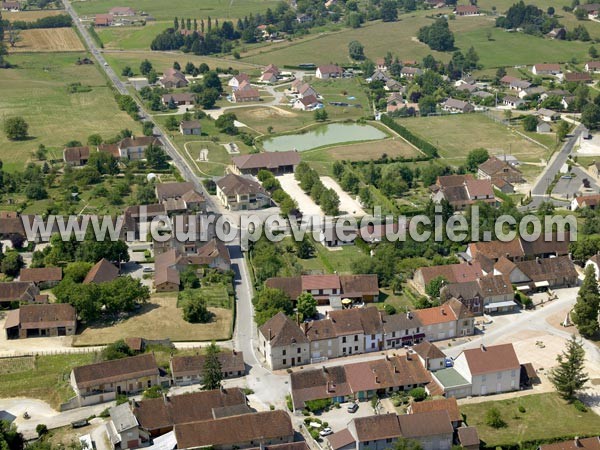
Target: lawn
column 161, row 10
column 456, row 135
column 337, row 259
column 47, row 380
column 160, row 318
column 36, row 89
column 547, row 417
column 131, row 38
column 260, row 118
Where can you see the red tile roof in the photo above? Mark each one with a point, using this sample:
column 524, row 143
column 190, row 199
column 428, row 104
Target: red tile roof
column 491, row 359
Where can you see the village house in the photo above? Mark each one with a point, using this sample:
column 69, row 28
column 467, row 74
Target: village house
column 269, row 76
column 400, row 330
column 328, row 71
column 576, row 77
column 466, row 87
column 238, row 192
column 302, row 89
column 173, row 78
column 11, row 6
column 190, row 127
column 103, row 20
column 17, row 292
column 531, row 92
column 490, row 369
column 494, row 169
column 452, row 273
column 123, row 429
column 430, row 355
column 380, row 64
column 592, row 9
column 410, row 72
column 277, row 162
column 187, row 370
column 243, row 431
column 328, row 288
column 236, row 80
column 179, row 99
column 443, row 404
column 488, row 294
column 307, row 103
column 463, row 190
column 378, row 75
column 166, row 275
column 76, row 156
column 457, row 106
column 514, row 83
column 282, row 343
column 103, row 271
column 547, row 115
column 132, row 148
column 468, row 438
column 512, row 102
column 56, row 319
column 449, row 320
column 393, row 85
column 102, row 382
column 243, row 95
column 122, row 11
column 585, row 201
column 466, row 10
column 543, row 127
column 592, row 66
column 180, row 196
column 43, row 277
column 541, row 273
column 546, row 69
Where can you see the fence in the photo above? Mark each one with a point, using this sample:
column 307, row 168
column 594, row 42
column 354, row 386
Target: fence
column 65, row 351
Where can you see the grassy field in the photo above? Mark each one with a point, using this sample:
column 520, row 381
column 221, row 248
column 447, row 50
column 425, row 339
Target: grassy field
column 131, row 38
column 35, row 88
column 546, row 417
column 259, row 118
column 47, row 380
column 30, row 16
column 49, row 40
column 184, row 8
column 456, row 135
column 163, row 60
column 158, row 319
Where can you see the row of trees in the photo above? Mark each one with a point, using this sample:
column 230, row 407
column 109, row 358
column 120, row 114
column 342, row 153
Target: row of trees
column 311, row 183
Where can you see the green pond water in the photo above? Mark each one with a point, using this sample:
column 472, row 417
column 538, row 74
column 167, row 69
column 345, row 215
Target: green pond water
column 334, row 133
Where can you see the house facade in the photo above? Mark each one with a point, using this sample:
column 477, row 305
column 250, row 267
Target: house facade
column 237, row 193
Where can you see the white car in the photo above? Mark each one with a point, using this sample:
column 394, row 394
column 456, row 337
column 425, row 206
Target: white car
column 326, row 431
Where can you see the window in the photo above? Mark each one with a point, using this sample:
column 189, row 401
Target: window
column 344, row 340
column 283, row 352
column 372, row 336
column 466, row 323
column 149, row 383
column 393, row 334
column 299, row 350
column 356, row 348
column 483, row 378
column 388, row 440
column 499, row 375
column 284, row 361
column 372, row 344
column 356, row 338
column 513, row 373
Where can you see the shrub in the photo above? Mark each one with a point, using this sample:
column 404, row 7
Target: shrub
column 288, row 403
column 318, row 405
column 494, row 419
column 522, row 409
column 579, row 406
column 418, row 394
column 41, row 429
column 389, row 309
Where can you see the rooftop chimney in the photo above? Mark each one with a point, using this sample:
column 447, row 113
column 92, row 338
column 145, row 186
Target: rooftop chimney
column 409, row 315
column 537, row 259
column 577, row 442
column 443, row 312
column 483, row 349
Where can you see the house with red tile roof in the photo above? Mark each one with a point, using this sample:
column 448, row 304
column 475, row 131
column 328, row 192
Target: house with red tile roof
column 462, row 191
column 450, row 319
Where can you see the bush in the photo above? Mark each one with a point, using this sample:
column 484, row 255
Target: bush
column 522, row 409
column 318, row 405
column 41, row 429
column 579, row 406
column 418, row 394
column 390, row 310
column 288, row 403
column 494, row 419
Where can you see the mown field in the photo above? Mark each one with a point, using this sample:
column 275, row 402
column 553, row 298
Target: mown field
column 30, row 16
column 131, row 38
column 456, row 135
column 49, row 40
column 162, row 10
column 546, row 416
column 36, row 89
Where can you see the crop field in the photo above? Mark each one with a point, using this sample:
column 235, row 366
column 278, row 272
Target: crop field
column 393, row 147
column 131, row 38
column 49, row 40
column 456, row 135
column 162, row 10
column 36, row 89
column 30, row 16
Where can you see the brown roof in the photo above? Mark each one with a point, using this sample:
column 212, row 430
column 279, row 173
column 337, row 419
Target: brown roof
column 340, row 439
column 577, row 77
column 171, row 72
column 494, row 285
column 548, row 243
column 190, row 124
column 468, row 436
column 267, row 160
column 310, row 282
column 432, row 423
column 15, row 290
column 314, row 384
column 319, row 329
column 356, row 320
column 232, row 184
column 301, row 445
column 543, row 269
column 442, row 404
column 400, row 321
column 427, row 350
column 213, row 249
column 39, row 275
column 179, row 97
column 592, row 443
column 102, row 272
column 115, row 370
column 495, row 166
column 173, row 190
column 140, row 141
column 358, row 285
column 135, row 343
column 491, row 359
column 230, row 362
column 292, row 286
column 453, row 273
column 156, row 413
column 447, row 312
column 235, row 430
column 330, row 68
column 385, row 373
column 113, row 149
column 76, row 154
column 504, row 266
column 46, row 316
column 241, row 94
column 372, row 428
column 466, row 9
column 164, row 270
column 548, row 67
column 496, row 249
column 280, row 330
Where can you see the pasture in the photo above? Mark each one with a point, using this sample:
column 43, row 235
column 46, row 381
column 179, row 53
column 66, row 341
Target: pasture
column 49, row 40
column 161, row 10
column 36, row 89
column 131, row 38
column 30, row 16
column 456, row 135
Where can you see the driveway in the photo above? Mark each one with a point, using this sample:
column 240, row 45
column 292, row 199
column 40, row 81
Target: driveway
column 348, row 205
column 305, row 203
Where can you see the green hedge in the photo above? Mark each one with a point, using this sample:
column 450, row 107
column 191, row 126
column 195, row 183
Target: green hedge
column 421, row 144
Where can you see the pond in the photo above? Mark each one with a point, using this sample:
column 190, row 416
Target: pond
column 334, row 133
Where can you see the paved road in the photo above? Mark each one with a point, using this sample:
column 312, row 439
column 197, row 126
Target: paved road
column 538, row 192
column 181, row 164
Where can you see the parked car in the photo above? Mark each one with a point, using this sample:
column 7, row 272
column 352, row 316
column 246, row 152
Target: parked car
column 148, row 269
column 449, row 362
column 326, row 431
column 352, row 408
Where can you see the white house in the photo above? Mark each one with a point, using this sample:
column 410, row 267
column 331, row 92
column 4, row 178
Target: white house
column 329, row 71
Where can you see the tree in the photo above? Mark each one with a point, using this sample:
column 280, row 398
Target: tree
column 569, row 377
column 127, row 72
column 15, row 128
column 407, row 444
column 356, row 50
column 562, row 129
column 590, row 116
column 145, row 67
column 41, row 429
column 77, row 271
column 176, row 66
column 94, row 139
column 212, row 374
column 269, row 302
column 304, row 248
column 196, row 311
column 11, row 263
column 208, row 97
column 321, row 115
column 156, row 157
column 550, row 11
column 418, row 394
column 435, row 285
column 438, row 36
column 353, row 20
column 189, row 279
column 172, row 123
column 116, row 350
column 155, row 391
column 152, row 77
column 500, row 73
column 530, row 123
column 389, row 11
column 226, row 123
column 427, row 105
column 593, row 52
column 148, row 128
column 212, row 80
column 493, row 418
column 307, row 306
column 585, row 312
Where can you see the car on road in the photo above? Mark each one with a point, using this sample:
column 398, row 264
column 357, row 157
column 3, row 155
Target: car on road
column 352, row 408
column 567, row 177
column 148, row 269
column 326, row 431
column 105, row 64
